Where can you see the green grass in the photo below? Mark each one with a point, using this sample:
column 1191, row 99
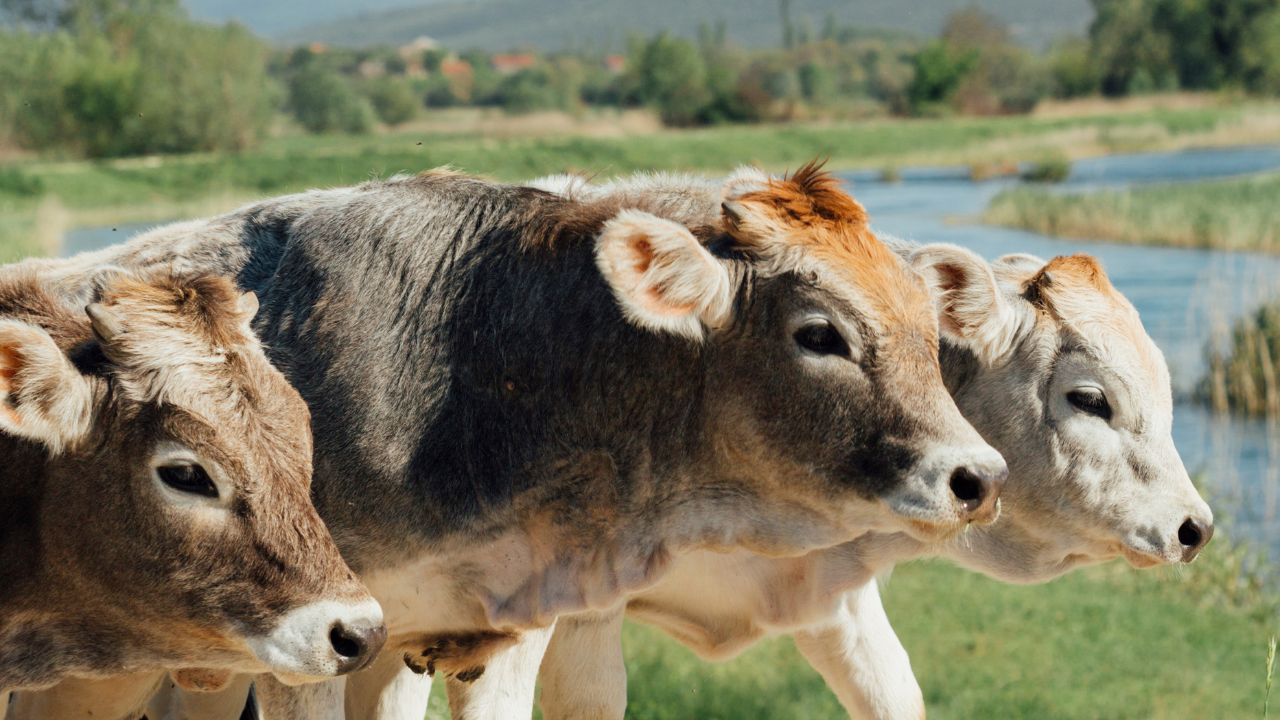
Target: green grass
column 147, row 189
column 1227, row 214
column 1108, row 643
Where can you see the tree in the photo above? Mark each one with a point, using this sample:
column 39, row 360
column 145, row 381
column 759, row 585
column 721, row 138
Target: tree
column 672, row 77
column 324, row 102
column 393, row 99
column 938, row 71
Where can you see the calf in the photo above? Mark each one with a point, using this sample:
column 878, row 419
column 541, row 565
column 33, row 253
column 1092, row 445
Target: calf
column 527, row 405
column 154, row 508
column 1052, row 366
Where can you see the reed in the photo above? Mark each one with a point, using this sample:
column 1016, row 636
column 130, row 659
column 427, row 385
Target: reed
column 1224, row 214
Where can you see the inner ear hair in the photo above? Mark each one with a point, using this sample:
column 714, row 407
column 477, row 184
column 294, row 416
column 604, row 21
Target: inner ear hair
column 1034, row 290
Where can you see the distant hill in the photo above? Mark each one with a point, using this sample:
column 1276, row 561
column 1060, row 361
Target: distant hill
column 272, row 17
column 549, row 24
column 554, row 24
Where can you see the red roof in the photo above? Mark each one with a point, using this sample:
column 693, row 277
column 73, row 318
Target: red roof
column 513, row 63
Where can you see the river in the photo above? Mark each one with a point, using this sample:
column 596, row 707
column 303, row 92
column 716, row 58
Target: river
column 1181, row 294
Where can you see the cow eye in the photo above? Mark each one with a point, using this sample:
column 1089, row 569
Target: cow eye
column 819, row 336
column 1091, row 402
column 188, row 479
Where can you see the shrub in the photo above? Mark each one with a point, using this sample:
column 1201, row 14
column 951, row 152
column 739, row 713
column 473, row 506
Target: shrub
column 393, row 99
column 324, row 102
column 15, row 182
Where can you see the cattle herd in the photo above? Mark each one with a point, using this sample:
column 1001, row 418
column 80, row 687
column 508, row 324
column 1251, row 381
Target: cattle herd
column 312, row 453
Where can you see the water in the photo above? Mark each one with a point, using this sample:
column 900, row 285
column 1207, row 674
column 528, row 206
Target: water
column 1181, row 294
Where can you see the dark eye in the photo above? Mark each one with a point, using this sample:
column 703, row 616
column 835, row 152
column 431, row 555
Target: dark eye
column 1092, row 402
column 820, row 337
column 188, row 479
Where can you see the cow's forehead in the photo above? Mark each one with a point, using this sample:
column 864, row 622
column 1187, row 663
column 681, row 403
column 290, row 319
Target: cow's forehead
column 1082, row 297
column 808, row 219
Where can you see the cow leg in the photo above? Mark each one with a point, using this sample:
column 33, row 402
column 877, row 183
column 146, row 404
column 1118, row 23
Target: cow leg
column 173, row 703
column 387, row 690
column 860, row 657
column 318, row 701
column 120, row 698
column 505, row 690
column 582, row 674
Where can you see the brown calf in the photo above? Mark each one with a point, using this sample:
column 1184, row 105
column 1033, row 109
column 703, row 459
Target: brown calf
column 154, row 496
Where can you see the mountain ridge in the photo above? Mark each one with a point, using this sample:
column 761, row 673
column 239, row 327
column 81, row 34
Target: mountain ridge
column 555, row 24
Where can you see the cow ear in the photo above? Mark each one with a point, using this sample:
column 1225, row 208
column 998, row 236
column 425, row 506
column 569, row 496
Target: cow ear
column 972, row 311
column 42, row 396
column 664, row 279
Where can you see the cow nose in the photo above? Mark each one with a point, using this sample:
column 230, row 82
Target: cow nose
column 356, row 647
column 1193, row 535
column 978, row 489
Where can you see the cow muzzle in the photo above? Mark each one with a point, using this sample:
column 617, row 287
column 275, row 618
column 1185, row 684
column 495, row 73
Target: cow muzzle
column 948, row 489
column 322, row 640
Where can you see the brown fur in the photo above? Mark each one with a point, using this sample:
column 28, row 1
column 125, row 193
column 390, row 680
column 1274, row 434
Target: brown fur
column 98, row 574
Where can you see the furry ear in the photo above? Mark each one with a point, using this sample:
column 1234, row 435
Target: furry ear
column 971, row 309
column 664, row 279
column 746, row 179
column 42, row 396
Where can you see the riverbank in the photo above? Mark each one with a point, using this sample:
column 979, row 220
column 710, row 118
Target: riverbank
column 78, row 194
column 1239, row 214
column 1107, row 643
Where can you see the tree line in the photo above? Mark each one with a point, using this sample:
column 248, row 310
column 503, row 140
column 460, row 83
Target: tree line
column 101, row 78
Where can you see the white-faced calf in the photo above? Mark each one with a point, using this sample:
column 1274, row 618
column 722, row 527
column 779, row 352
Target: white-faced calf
column 154, row 501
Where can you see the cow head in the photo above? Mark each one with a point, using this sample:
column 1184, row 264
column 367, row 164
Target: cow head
column 1052, row 365
column 821, row 353
column 175, row 522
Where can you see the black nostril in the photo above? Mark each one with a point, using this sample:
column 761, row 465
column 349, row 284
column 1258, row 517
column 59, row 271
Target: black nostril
column 966, row 486
column 348, row 645
column 1190, row 534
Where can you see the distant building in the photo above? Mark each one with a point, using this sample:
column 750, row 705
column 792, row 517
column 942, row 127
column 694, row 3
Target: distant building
column 512, row 63
column 615, row 64
column 372, row 69
column 418, row 46
column 455, row 68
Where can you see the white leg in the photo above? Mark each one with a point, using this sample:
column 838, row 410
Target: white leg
column 173, row 703
column 505, row 690
column 862, row 660
column 387, row 690
column 582, row 674
column 318, row 701
column 122, row 698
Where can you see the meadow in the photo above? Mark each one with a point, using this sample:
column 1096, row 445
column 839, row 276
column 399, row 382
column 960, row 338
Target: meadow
column 1238, row 214
column 41, row 199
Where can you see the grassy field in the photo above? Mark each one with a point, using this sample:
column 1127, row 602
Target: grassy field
column 1107, row 643
column 41, row 199
column 1227, row 214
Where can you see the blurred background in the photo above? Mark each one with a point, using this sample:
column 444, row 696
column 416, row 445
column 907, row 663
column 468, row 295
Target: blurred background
column 1146, row 132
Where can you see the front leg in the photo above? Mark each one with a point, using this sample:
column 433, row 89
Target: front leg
column 583, row 676
column 504, row 691
column 318, row 701
column 860, row 657
column 118, row 698
column 388, row 690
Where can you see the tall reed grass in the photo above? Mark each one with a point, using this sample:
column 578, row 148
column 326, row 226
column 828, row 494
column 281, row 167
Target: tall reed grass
column 1242, row 214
